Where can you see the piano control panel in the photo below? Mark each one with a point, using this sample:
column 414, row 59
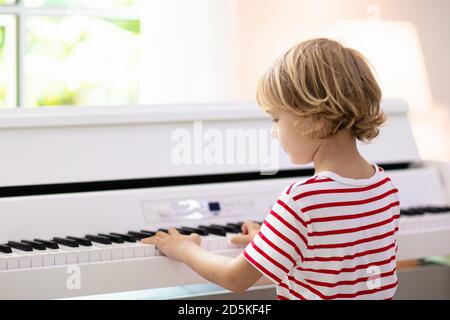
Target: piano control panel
column 185, row 209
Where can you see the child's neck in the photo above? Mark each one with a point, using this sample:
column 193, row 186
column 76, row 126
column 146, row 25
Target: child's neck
column 340, row 155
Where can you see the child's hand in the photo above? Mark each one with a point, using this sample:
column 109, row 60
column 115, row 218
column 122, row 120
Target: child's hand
column 249, row 230
column 173, row 244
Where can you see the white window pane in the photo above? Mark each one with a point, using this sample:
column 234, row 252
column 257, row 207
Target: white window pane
column 81, row 60
column 8, row 63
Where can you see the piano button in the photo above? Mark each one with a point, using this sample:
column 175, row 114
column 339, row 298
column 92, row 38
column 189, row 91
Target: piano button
column 48, row 243
column 201, row 232
column 98, row 239
column 81, row 241
column 138, row 235
column 20, row 246
column 113, row 238
column 125, row 237
column 213, row 230
column 66, row 242
column 5, row 248
column 35, row 245
column 148, row 233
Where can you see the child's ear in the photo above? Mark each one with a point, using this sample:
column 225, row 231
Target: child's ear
column 311, row 125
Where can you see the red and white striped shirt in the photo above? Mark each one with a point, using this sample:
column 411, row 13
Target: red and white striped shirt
column 330, row 237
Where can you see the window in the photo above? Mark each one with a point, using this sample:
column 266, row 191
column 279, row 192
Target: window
column 69, row 52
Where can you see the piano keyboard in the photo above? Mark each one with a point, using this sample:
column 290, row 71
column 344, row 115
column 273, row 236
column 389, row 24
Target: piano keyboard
column 102, row 247
column 105, row 247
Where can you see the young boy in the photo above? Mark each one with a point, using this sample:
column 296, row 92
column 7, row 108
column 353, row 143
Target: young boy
column 331, row 236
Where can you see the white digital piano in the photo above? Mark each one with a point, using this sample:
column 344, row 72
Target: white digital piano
column 79, row 187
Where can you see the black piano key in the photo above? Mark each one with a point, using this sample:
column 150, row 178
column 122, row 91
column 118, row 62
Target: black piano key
column 35, row 245
column 66, row 242
column 184, row 231
column 48, row 243
column 236, row 225
column 98, row 239
column 201, row 232
column 125, row 237
column 148, row 233
column 113, row 238
column 138, row 235
column 20, row 246
column 81, row 241
column 5, row 248
column 163, row 230
column 227, row 228
column 214, row 230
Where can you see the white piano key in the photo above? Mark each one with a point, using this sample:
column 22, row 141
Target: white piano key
column 143, row 250
column 24, row 258
column 71, row 254
column 212, row 243
column 127, row 250
column 60, row 256
column 149, row 250
column 94, row 254
column 83, row 254
column 3, row 261
column 105, row 251
column 48, row 258
column 13, row 261
column 37, row 258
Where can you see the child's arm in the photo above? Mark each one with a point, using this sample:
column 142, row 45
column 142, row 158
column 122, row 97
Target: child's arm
column 234, row 274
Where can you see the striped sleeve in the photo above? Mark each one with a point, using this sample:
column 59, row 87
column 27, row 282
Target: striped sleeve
column 281, row 242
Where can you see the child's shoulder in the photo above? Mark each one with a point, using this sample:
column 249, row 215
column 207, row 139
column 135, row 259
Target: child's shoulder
column 300, row 186
column 326, row 181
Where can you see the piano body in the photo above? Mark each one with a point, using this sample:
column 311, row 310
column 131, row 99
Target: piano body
column 106, row 177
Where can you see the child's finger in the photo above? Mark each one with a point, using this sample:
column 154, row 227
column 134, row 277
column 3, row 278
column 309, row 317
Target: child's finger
column 253, row 227
column 240, row 239
column 173, row 231
column 151, row 240
column 245, row 226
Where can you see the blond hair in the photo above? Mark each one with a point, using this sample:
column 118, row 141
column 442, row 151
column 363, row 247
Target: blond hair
column 328, row 86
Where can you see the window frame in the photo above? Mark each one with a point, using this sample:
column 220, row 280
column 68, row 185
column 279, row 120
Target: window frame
column 21, row 12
